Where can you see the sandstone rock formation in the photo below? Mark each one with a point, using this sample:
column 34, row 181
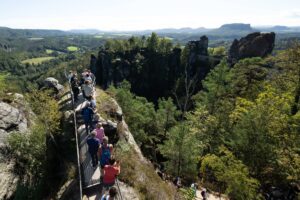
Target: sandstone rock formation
column 152, row 74
column 198, row 60
column 8, row 180
column 51, row 82
column 253, row 45
column 13, row 117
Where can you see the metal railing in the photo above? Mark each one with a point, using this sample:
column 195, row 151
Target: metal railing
column 76, row 137
column 79, row 162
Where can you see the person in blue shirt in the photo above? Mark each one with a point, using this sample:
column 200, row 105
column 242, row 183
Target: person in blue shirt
column 87, row 114
column 93, row 146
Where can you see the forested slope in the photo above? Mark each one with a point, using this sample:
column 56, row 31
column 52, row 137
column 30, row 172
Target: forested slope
column 232, row 125
column 235, row 131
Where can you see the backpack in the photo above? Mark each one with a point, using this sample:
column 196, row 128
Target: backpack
column 105, row 156
column 86, row 113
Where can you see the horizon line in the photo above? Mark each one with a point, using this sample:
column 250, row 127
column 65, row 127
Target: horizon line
column 136, row 30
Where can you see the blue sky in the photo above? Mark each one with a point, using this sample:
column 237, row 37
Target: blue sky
column 142, row 14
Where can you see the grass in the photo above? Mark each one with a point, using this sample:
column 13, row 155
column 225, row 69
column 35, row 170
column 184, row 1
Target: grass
column 38, row 60
column 141, row 175
column 122, row 34
column 98, row 36
column 35, row 38
column 49, row 51
column 72, row 48
column 105, row 104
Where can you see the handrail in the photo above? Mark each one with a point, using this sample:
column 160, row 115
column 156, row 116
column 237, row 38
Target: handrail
column 76, row 136
column 77, row 143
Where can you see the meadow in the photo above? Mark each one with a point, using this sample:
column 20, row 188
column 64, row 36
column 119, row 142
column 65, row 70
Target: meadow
column 38, row 60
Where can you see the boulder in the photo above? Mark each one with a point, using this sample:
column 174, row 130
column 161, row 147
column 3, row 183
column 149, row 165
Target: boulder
column 253, row 45
column 11, row 119
column 14, row 116
column 110, row 129
column 53, row 83
column 127, row 191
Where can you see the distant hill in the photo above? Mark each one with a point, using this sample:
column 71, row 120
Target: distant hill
column 186, row 30
column 233, row 29
column 9, row 32
column 280, row 29
column 224, row 32
column 236, row 26
column 85, row 31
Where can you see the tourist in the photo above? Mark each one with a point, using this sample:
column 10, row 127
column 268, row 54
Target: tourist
column 105, row 152
column 112, row 194
column 93, row 146
column 111, row 170
column 87, row 90
column 75, row 87
column 100, row 132
column 87, row 114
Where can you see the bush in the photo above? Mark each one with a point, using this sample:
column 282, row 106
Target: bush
column 231, row 173
column 29, row 149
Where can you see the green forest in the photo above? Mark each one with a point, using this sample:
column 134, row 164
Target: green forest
column 240, row 134
column 232, row 127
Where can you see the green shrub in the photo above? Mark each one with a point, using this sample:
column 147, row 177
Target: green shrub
column 29, row 150
column 231, row 173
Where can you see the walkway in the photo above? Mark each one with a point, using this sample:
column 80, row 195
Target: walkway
column 91, row 185
column 90, row 175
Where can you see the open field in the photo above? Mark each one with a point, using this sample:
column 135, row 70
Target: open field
column 35, row 38
column 72, row 48
column 122, row 34
column 37, row 60
column 49, row 51
column 169, row 38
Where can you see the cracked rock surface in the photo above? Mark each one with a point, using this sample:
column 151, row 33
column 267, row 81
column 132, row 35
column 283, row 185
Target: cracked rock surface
column 11, row 119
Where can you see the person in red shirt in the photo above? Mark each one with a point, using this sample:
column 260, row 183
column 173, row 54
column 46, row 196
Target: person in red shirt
column 110, row 173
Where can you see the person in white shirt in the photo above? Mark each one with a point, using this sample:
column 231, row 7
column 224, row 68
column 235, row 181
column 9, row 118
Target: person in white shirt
column 87, row 90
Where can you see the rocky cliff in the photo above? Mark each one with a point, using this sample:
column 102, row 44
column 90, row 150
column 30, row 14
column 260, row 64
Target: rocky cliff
column 14, row 116
column 152, row 74
column 253, row 45
column 198, row 58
